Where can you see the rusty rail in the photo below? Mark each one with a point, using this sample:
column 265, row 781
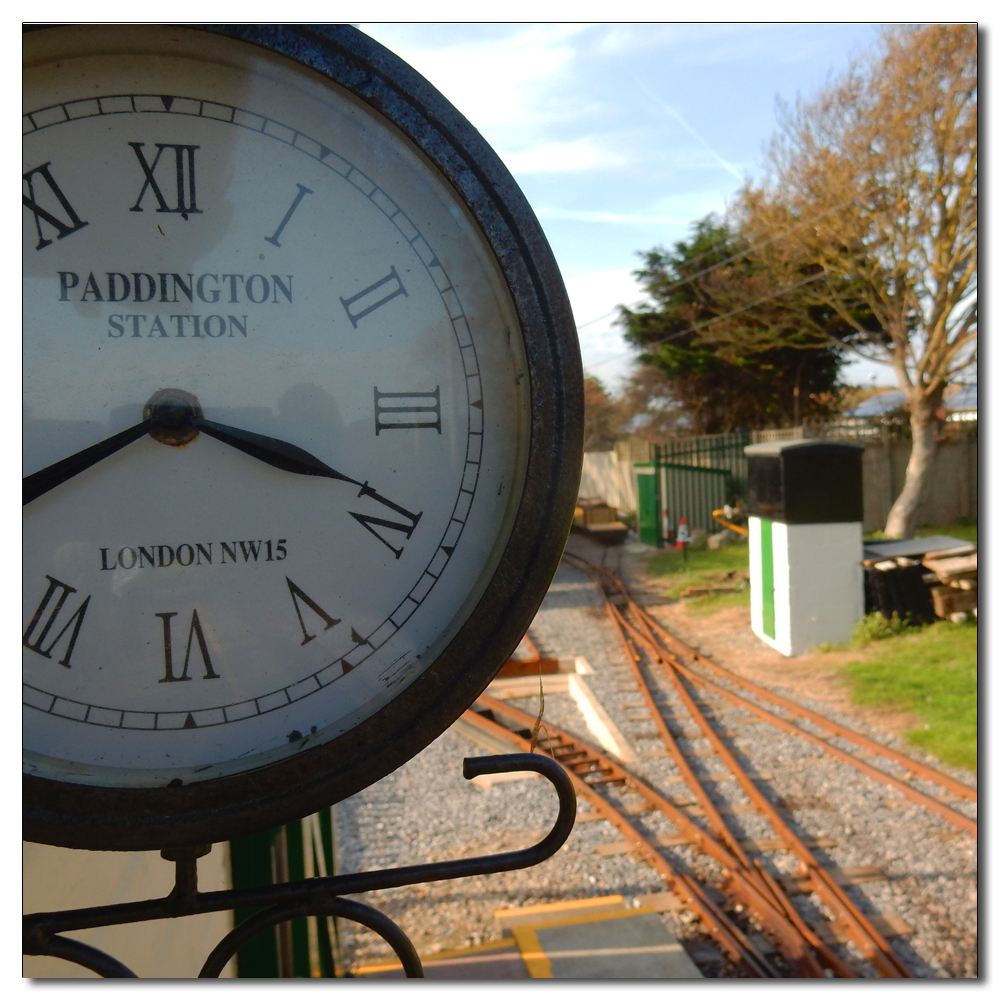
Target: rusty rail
column 637, row 630
column 915, row 767
column 807, row 955
column 872, row 944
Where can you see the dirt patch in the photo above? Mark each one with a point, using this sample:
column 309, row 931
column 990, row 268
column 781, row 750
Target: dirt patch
column 726, row 638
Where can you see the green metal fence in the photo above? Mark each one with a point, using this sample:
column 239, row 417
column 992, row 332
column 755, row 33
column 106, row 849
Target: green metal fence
column 668, row 491
column 712, row 451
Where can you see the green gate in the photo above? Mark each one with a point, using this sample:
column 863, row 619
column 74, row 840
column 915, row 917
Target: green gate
column 676, row 490
column 693, row 492
column 306, row 947
column 648, row 491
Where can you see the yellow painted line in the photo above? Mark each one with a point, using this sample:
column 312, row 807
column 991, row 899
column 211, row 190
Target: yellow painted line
column 438, row 956
column 566, row 904
column 538, row 962
column 535, row 960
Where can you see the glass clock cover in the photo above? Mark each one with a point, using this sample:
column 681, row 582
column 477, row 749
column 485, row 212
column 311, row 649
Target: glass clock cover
column 281, row 427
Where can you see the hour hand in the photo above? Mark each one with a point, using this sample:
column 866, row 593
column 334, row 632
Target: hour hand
column 280, row 454
column 177, row 419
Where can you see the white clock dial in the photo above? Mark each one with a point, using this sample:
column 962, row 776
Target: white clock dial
column 244, row 234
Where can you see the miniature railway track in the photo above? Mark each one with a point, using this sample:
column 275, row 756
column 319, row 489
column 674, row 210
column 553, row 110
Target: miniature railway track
column 660, row 663
column 642, row 629
column 589, row 769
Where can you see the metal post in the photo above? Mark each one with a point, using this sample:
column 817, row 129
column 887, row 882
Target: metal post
column 658, row 494
column 280, row 902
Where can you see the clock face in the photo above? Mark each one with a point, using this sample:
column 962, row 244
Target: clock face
column 327, row 385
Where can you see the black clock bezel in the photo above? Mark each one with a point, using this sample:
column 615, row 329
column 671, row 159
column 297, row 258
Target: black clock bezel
column 75, row 815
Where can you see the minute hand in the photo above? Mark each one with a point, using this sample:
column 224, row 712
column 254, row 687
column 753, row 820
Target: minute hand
column 280, row 454
column 39, row 483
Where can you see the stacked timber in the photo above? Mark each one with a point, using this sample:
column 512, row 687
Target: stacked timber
column 954, row 580
column 922, row 578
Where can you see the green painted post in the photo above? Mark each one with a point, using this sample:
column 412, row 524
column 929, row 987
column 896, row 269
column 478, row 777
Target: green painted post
column 253, row 863
column 645, row 485
column 767, row 577
column 329, row 946
column 296, row 847
column 250, row 859
column 657, row 493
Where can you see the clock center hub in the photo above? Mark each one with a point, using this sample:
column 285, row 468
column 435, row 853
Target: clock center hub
column 173, row 413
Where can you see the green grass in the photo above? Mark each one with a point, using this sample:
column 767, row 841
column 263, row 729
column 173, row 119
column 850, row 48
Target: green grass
column 931, row 671
column 705, row 567
column 964, row 528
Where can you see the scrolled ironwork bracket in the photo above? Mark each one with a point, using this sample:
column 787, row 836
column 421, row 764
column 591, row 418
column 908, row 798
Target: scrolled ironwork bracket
column 306, row 897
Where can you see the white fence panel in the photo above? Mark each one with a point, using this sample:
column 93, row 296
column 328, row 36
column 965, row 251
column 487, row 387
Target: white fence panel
column 608, row 479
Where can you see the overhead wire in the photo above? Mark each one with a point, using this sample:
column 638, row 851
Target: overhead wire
column 728, row 260
column 715, row 319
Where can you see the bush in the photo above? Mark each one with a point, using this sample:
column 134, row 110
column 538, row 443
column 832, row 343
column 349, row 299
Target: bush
column 876, row 626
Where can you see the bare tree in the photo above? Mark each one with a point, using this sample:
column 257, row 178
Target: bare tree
column 872, row 192
column 651, row 408
column 603, row 421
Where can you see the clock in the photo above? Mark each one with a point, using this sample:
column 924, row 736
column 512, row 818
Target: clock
column 302, row 425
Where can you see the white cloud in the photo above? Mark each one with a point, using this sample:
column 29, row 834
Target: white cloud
column 594, row 294
column 595, row 297
column 558, row 157
column 615, row 218
column 678, row 210
column 501, row 83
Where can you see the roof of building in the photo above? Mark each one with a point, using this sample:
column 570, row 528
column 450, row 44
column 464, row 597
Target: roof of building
column 878, row 406
column 964, row 397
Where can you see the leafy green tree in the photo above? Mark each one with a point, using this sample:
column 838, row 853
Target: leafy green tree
column 733, row 354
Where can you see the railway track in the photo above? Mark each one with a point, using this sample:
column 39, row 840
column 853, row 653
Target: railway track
column 806, row 918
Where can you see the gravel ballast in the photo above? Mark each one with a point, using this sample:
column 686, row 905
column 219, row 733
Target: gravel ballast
column 426, row 811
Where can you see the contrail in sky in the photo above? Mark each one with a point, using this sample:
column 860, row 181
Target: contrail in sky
column 677, row 117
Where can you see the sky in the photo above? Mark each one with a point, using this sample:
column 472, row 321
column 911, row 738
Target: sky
column 621, row 135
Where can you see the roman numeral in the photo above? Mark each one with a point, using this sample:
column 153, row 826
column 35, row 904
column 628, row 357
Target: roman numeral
column 195, row 632
column 303, row 191
column 374, row 523
column 298, row 594
column 182, row 179
column 53, row 604
column 70, row 223
column 369, row 299
column 407, row 409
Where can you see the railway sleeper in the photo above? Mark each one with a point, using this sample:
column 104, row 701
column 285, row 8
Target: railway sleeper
column 740, row 885
column 822, row 882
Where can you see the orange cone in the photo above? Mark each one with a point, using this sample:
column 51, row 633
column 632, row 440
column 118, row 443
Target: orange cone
column 683, row 535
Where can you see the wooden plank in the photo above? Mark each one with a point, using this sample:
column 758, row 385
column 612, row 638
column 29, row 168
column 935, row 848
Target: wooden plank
column 959, row 550
column 679, row 840
column 661, row 902
column 720, row 776
column 955, row 566
column 567, row 908
column 889, row 925
column 852, row 875
column 951, row 600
